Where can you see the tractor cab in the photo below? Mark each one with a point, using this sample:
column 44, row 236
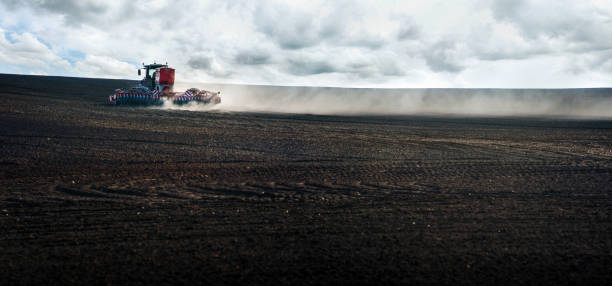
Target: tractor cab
column 158, row 77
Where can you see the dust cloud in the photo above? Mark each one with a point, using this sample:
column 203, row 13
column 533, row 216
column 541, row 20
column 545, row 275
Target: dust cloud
column 576, row 103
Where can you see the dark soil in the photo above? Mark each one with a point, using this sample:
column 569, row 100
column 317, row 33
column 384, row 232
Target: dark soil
column 92, row 193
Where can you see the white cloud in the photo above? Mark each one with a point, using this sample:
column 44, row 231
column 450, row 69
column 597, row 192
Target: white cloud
column 38, row 72
column 26, row 50
column 104, row 67
column 469, row 43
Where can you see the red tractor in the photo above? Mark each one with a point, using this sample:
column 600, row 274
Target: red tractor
column 156, row 88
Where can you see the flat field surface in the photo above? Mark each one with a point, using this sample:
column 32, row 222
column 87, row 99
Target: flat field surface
column 91, row 193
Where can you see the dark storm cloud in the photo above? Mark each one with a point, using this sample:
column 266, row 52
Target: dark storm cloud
column 252, row 58
column 200, row 63
column 302, row 67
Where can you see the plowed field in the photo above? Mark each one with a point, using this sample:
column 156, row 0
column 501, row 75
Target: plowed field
column 91, row 193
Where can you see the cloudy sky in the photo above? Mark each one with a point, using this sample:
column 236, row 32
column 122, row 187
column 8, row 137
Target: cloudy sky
column 471, row 43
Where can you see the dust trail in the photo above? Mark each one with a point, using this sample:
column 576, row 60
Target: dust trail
column 586, row 103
